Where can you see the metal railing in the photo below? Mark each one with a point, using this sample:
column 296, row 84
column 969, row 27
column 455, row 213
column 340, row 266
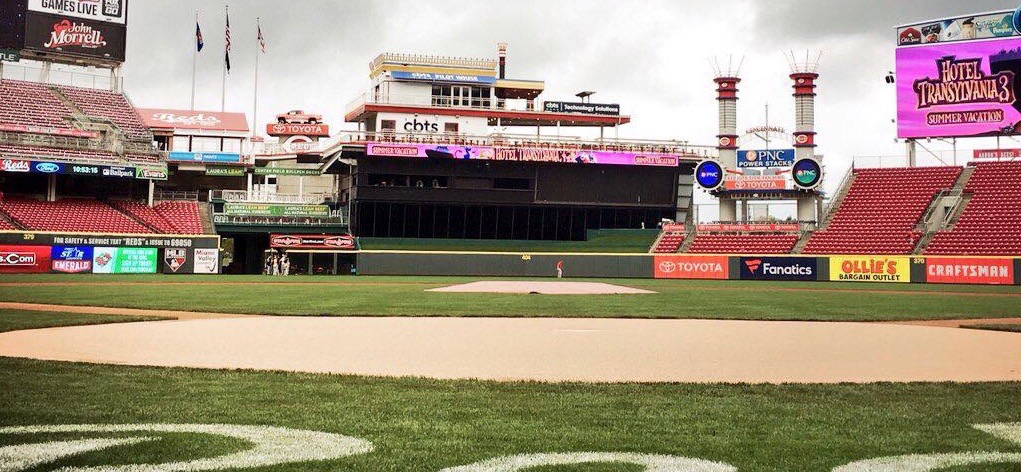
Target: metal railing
column 934, row 205
column 57, row 76
column 682, row 148
column 247, row 220
column 422, row 59
column 243, row 196
column 466, row 103
column 175, row 195
column 832, row 201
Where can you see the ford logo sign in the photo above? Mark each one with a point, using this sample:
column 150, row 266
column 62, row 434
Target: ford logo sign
column 47, row 167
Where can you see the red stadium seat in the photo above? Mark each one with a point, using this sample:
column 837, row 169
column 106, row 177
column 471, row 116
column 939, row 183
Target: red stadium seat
column 880, row 211
column 70, row 214
column 723, row 243
column 991, row 221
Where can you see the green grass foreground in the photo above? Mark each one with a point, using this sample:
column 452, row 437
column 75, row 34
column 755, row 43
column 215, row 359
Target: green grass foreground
column 426, row 425
column 407, row 296
column 11, row 320
column 1010, row 328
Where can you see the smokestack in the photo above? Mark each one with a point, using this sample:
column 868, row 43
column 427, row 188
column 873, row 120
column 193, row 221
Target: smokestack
column 804, row 112
column 502, row 50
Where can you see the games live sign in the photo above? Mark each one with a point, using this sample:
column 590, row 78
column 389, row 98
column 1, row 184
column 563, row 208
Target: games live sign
column 113, row 11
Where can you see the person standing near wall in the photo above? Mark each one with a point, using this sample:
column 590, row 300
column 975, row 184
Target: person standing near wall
column 285, row 265
column 560, row 268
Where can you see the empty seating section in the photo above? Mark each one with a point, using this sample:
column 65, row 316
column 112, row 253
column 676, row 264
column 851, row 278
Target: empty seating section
column 34, row 152
column 880, row 211
column 723, row 243
column 5, row 226
column 111, row 105
column 669, row 243
column 183, row 215
column 31, row 104
column 169, row 217
column 991, row 221
column 70, row 215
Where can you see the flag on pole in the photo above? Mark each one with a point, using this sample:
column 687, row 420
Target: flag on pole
column 262, row 41
column 198, row 37
column 227, row 48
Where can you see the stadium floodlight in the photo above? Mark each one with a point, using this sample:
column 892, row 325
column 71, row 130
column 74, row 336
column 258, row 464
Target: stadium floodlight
column 584, row 95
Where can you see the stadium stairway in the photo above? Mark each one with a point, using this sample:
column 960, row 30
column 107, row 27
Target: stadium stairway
column 990, row 222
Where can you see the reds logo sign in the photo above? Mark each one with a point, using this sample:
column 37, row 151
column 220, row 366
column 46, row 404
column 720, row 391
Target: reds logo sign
column 17, row 258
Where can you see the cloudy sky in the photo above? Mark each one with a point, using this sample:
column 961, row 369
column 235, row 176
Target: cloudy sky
column 652, row 57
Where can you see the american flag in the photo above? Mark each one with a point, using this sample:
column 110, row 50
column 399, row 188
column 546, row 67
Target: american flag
column 198, row 37
column 227, row 48
column 262, row 41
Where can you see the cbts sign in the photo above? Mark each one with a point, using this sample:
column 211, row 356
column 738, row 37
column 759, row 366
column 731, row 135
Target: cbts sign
column 779, row 268
column 766, row 158
column 611, row 109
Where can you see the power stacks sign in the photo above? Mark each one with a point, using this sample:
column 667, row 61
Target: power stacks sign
column 870, row 269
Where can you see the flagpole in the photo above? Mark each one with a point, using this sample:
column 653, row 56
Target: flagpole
column 223, row 90
column 194, row 61
column 255, row 99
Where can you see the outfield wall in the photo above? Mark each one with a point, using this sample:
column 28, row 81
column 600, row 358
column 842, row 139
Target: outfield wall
column 843, row 268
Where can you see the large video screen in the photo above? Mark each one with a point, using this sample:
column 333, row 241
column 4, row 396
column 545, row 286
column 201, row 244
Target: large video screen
column 960, row 89
column 64, row 35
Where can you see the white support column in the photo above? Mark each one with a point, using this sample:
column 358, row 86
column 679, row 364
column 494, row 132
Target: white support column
column 152, row 191
column 249, row 196
column 51, row 188
column 301, row 186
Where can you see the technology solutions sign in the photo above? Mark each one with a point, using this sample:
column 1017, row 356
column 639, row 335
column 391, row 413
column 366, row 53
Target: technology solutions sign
column 961, row 89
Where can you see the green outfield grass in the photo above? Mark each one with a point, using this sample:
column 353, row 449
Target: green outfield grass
column 406, row 296
column 1010, row 328
column 11, row 320
column 425, row 425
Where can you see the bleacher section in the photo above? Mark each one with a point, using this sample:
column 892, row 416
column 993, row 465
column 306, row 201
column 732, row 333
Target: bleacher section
column 722, row 243
column 669, row 243
column 880, row 211
column 72, row 215
column 35, row 152
column 111, row 105
column 31, row 104
column 170, row 217
column 5, row 226
column 991, row 222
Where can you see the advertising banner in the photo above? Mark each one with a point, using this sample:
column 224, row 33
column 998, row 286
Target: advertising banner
column 749, row 227
column 284, row 171
column 963, row 28
column 673, row 228
column 298, row 129
column 431, row 77
column 24, row 259
column 47, row 168
column 176, row 261
column 148, row 173
column 870, row 269
column 691, row 267
column 969, row 270
column 117, row 171
column 225, row 171
column 71, row 259
column 214, row 157
column 113, row 11
column 76, row 133
column 159, row 118
column 15, row 165
column 270, row 209
column 779, row 268
column 65, row 35
column 10, row 55
column 124, row 260
column 997, row 154
column 754, row 182
column 572, row 156
column 68, row 239
column 959, row 89
column 612, row 109
column 207, row 261
column 312, row 241
column 765, row 158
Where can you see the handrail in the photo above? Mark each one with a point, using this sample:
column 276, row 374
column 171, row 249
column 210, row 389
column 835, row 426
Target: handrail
column 832, row 201
column 682, row 148
column 423, row 59
column 243, row 196
column 927, row 218
column 175, row 195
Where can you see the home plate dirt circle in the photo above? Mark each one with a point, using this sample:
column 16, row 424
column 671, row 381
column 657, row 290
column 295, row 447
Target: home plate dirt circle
column 545, row 349
column 545, row 288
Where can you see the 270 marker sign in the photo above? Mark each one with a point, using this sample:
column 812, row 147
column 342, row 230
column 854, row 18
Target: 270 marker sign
column 276, row 446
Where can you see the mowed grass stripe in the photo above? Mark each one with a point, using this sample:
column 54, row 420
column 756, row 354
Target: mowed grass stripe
column 426, row 425
column 406, row 296
column 11, row 320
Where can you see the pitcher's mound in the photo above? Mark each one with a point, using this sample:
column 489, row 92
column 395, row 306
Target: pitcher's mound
column 547, row 288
